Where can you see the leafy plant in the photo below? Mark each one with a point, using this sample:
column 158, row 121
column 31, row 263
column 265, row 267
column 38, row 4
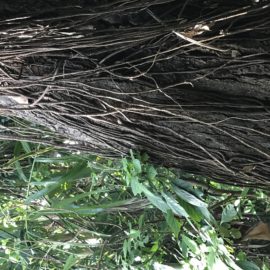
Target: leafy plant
column 77, row 211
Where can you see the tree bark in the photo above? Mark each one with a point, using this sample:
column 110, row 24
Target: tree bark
column 186, row 82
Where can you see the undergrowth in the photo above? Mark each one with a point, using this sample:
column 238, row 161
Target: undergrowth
column 63, row 210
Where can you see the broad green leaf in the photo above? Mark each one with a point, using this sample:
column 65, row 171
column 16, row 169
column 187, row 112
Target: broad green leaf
column 188, row 197
column 225, row 232
column 205, row 213
column 174, row 205
column 247, row 265
column 156, row 200
column 137, row 165
column 244, row 192
column 173, row 223
column 136, row 187
column 191, row 244
column 232, row 263
column 125, row 164
column 151, row 172
column 184, row 249
column 183, row 184
column 187, row 186
column 236, row 234
column 228, row 213
column 192, row 211
column 227, row 256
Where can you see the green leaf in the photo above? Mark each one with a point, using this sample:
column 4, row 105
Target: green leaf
column 247, row 265
column 156, row 200
column 174, row 205
column 141, row 221
column 125, row 248
column 26, row 147
column 232, row 263
column 151, row 172
column 173, row 223
column 136, row 187
column 125, row 164
column 225, row 232
column 184, row 249
column 191, row 244
column 228, row 213
column 183, row 184
column 236, row 234
column 155, row 247
column 137, row 165
column 20, row 171
column 211, row 259
column 188, row 197
column 244, row 192
column 192, row 211
column 205, row 213
column 241, row 256
column 71, row 261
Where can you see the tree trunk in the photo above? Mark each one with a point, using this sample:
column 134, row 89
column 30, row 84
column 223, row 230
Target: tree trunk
column 186, row 82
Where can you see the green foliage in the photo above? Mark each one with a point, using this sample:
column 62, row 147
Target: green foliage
column 228, row 213
column 62, row 210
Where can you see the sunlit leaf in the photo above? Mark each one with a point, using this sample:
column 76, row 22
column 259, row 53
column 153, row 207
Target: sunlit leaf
column 136, row 187
column 191, row 244
column 211, row 259
column 174, row 205
column 188, row 197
